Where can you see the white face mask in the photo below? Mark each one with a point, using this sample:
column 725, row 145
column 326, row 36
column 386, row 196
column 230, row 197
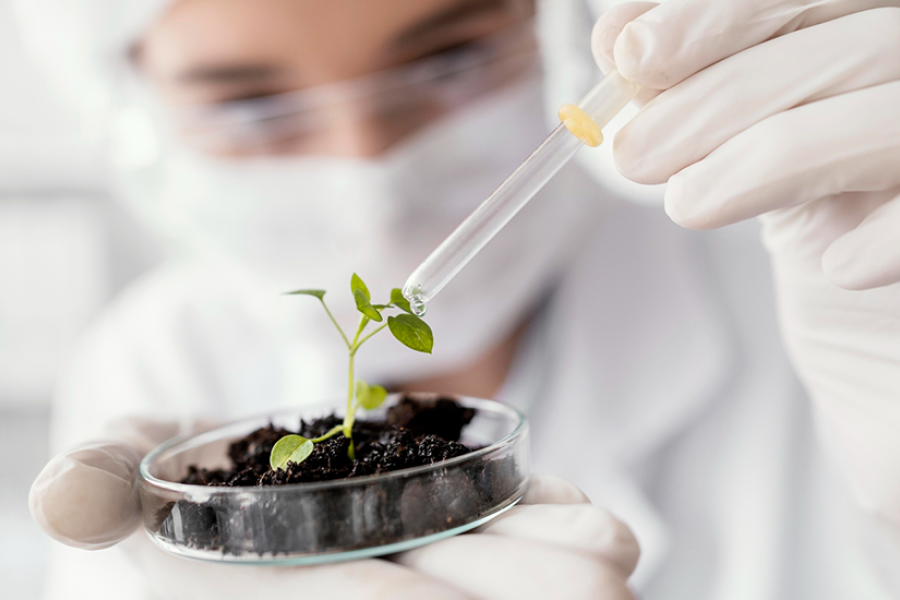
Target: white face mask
column 310, row 222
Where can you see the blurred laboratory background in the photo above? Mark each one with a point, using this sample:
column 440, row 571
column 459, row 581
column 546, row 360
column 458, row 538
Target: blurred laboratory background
column 64, row 251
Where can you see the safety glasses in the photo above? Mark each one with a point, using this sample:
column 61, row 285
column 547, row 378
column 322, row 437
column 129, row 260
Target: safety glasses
column 389, row 103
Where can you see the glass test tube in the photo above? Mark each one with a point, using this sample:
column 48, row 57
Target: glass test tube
column 601, row 104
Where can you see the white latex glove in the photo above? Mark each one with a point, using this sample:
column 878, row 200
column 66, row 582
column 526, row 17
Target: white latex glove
column 553, row 545
column 789, row 109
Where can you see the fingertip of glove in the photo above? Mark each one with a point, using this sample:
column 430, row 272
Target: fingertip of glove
column 695, row 209
column 603, row 39
column 866, row 257
column 549, row 489
column 608, row 28
column 633, row 159
column 83, row 506
column 676, row 208
column 843, row 266
column 838, row 267
column 635, row 53
column 628, row 50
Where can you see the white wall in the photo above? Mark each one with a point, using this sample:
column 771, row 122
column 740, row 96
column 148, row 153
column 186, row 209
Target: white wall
column 55, row 227
column 42, row 144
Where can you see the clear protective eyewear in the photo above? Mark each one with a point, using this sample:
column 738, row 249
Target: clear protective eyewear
column 397, row 101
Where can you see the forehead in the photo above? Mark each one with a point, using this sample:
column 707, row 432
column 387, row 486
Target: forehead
column 335, row 32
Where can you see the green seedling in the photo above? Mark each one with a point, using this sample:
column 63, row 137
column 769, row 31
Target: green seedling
column 410, row 330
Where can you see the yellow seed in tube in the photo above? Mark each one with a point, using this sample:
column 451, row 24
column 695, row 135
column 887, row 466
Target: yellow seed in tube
column 581, row 125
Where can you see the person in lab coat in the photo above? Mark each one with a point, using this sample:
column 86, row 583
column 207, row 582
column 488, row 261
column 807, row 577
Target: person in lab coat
column 277, row 144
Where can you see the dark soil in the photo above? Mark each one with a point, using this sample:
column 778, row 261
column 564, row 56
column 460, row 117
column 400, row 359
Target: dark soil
column 269, row 520
column 414, row 433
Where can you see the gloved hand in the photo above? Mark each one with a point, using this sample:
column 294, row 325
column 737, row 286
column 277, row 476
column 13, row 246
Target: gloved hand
column 555, row 544
column 790, row 110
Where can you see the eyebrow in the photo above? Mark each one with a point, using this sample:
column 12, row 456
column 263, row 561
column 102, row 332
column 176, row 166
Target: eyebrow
column 450, row 16
column 249, row 73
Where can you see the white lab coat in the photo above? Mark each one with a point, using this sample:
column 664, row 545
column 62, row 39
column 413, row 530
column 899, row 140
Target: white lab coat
column 654, row 378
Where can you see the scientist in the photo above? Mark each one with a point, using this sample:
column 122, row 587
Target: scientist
column 276, row 144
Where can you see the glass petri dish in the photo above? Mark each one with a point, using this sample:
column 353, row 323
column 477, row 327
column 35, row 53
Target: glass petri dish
column 331, row 521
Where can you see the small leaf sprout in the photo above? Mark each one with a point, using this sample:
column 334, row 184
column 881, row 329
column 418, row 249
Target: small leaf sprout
column 406, row 327
column 290, row 448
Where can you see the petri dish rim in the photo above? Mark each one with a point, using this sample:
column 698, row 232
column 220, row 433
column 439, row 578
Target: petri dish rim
column 145, row 477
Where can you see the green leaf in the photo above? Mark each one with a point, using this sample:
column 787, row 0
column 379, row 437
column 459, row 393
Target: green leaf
column 412, row 332
column 317, row 293
column 399, row 301
column 357, row 285
column 365, row 307
column 290, row 448
column 370, row 397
